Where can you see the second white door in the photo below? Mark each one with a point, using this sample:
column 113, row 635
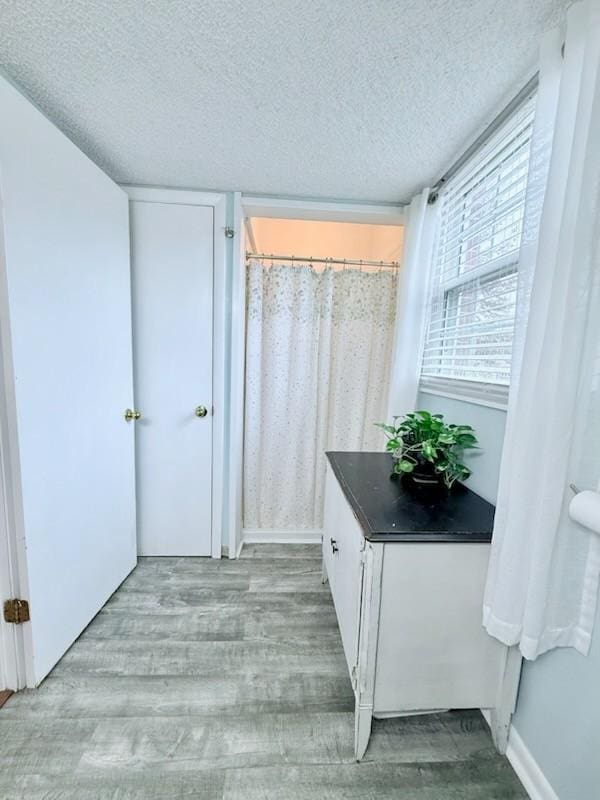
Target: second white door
column 172, row 278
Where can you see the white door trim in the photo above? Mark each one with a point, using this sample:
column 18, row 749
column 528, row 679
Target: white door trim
column 238, row 369
column 16, row 653
column 187, row 197
column 258, row 206
column 218, row 202
column 11, row 640
column 325, row 211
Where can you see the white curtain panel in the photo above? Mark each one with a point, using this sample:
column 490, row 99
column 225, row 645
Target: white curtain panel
column 542, row 584
column 412, row 300
column 318, row 349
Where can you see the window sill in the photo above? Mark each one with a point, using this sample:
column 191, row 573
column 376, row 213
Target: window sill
column 492, row 395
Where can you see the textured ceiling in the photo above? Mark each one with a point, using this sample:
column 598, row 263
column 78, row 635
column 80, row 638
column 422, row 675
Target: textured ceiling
column 356, row 99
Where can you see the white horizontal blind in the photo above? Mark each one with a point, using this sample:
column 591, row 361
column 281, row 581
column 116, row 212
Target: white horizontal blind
column 473, row 298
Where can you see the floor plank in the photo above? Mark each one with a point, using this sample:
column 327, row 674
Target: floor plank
column 226, row 680
column 4, row 695
column 81, row 695
column 477, row 779
column 173, row 601
column 207, row 785
column 194, row 743
column 32, row 747
column 124, row 657
column 285, row 551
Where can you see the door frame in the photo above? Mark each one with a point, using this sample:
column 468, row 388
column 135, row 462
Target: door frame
column 218, row 202
column 12, row 675
column 16, row 648
column 247, row 205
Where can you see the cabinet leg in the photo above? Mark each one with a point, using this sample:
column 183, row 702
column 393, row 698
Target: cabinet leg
column 500, row 727
column 500, row 717
column 362, row 729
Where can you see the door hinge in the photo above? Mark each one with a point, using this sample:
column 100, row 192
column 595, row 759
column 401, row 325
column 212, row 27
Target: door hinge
column 16, row 611
column 229, row 233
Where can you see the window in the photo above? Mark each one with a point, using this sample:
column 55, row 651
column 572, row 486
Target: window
column 468, row 345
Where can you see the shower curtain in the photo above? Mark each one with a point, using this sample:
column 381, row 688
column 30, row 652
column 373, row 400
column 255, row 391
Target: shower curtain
column 318, row 352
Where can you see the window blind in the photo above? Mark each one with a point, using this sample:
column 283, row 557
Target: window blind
column 468, row 344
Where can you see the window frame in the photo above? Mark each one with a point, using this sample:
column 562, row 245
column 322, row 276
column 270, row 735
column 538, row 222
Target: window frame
column 447, row 289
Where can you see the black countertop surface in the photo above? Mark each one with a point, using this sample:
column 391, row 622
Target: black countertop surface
column 390, row 512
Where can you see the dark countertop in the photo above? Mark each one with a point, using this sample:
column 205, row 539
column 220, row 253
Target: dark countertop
column 389, row 512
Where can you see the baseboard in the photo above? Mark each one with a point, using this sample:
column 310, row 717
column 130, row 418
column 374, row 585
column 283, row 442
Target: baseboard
column 269, row 536
column 527, row 769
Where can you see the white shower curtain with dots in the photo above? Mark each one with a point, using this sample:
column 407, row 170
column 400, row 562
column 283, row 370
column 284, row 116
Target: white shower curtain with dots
column 318, row 351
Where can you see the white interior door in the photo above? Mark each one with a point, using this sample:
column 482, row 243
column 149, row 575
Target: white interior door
column 66, row 324
column 172, row 269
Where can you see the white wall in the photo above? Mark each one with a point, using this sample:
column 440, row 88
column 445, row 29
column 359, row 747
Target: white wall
column 489, row 426
column 558, row 718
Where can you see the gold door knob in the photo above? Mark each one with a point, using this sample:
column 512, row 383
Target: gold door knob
column 201, row 411
column 131, row 414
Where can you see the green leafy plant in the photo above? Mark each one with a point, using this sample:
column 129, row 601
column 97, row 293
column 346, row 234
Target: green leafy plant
column 423, row 442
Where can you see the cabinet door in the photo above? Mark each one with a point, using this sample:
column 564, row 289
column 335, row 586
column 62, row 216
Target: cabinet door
column 433, row 651
column 343, row 563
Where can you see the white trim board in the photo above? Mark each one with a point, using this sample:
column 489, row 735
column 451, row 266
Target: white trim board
column 237, row 380
column 160, row 194
column 16, row 645
column 491, row 399
column 327, row 211
column 269, row 536
column 527, row 769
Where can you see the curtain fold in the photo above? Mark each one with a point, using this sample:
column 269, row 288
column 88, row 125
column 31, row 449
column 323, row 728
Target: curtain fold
column 542, row 583
column 412, row 299
column 318, row 349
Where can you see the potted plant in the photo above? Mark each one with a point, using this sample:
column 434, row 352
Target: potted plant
column 427, row 451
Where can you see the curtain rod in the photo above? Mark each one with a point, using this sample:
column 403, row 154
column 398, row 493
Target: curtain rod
column 311, row 259
column 506, row 112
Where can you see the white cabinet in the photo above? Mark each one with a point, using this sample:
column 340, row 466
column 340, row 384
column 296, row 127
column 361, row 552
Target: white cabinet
column 409, row 614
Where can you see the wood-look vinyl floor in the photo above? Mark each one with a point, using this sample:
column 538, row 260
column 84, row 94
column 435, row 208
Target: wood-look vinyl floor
column 226, row 680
